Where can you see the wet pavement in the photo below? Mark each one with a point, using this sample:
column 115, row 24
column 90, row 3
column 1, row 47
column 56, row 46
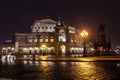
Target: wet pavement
column 69, row 58
column 59, row 70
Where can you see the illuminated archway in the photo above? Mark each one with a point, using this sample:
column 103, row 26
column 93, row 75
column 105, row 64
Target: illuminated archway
column 63, row 49
column 44, row 49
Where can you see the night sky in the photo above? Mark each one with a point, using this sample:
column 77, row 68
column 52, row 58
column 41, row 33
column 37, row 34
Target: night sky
column 18, row 15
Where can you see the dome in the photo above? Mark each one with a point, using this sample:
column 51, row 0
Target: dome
column 46, row 21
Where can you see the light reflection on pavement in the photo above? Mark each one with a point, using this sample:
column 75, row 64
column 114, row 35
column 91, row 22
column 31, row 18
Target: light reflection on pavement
column 11, row 69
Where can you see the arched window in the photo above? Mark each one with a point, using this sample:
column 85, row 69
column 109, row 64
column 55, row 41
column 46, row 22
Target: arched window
column 35, row 39
column 30, row 39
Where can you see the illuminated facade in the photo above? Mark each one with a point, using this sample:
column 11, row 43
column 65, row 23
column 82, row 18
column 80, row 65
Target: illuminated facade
column 48, row 37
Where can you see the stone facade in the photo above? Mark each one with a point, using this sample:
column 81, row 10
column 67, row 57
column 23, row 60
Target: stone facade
column 48, row 37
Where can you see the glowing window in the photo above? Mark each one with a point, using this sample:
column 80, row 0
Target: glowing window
column 30, row 39
column 62, row 36
column 46, row 40
column 71, row 41
column 35, row 40
column 51, row 40
column 41, row 40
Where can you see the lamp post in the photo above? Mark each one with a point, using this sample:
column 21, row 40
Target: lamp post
column 84, row 35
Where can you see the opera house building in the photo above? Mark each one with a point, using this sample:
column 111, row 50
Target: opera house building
column 46, row 36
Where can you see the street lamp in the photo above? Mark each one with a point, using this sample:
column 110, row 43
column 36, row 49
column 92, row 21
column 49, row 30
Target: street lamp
column 84, row 35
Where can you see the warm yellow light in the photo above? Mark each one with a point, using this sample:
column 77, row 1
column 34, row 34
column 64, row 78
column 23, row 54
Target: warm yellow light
column 43, row 46
column 12, row 49
column 3, row 48
column 84, row 31
column 9, row 47
column 84, row 34
column 43, row 57
column 30, row 48
column 36, row 48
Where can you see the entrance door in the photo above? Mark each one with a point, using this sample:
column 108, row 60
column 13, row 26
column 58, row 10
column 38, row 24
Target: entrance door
column 63, row 49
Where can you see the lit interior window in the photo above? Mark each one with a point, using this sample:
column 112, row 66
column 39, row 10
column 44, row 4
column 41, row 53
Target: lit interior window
column 46, row 40
column 71, row 41
column 41, row 40
column 35, row 39
column 30, row 40
column 51, row 40
column 62, row 36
